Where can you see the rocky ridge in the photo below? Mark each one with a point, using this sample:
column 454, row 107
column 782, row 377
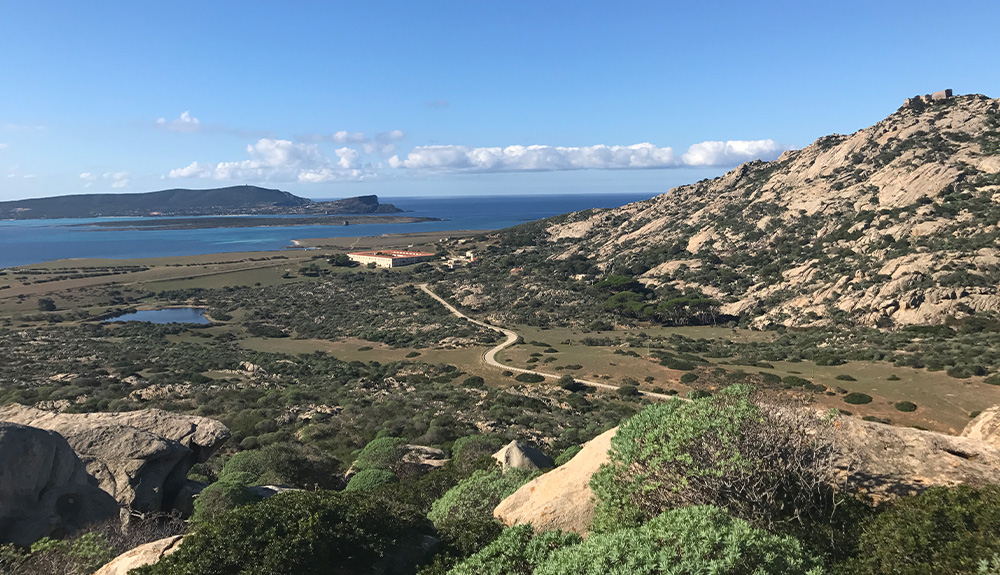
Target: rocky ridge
column 894, row 224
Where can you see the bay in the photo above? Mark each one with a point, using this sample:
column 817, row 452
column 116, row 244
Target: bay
column 24, row 242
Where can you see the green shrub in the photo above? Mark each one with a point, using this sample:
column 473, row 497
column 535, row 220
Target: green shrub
column 690, row 541
column 464, row 514
column 228, row 493
column 380, row 453
column 725, row 450
column 529, row 378
column 295, row 533
column 517, row 551
column 568, row 454
column 795, row 381
column 895, row 377
column 770, row 378
column 698, row 394
column 689, row 377
column 285, row 464
column 845, row 377
column 627, row 391
column 678, row 364
column 413, row 354
column 942, row 530
column 857, row 398
column 474, row 381
column 906, row 406
column 992, row 379
column 474, row 452
column 84, row 554
column 371, row 479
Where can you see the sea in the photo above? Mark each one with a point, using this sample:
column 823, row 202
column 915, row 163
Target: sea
column 24, row 242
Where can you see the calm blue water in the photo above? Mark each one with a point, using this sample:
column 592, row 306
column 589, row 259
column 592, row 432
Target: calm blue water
column 33, row 241
column 170, row 315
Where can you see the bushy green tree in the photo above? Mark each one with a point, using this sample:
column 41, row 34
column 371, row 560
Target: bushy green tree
column 690, row 541
column 475, row 452
column 726, row 450
column 517, row 551
column 567, row 454
column 288, row 464
column 381, row 453
column 371, row 479
column 942, row 530
column 295, row 533
column 464, row 514
column 229, row 492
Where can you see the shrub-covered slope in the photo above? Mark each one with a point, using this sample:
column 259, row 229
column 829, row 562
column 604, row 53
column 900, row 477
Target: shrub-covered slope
column 894, row 224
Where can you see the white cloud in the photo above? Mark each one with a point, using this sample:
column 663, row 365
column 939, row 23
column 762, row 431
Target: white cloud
column 3, row 146
column 118, row 179
column 599, row 157
column 732, row 152
column 535, row 158
column 283, row 161
column 186, row 124
column 22, row 128
column 383, row 143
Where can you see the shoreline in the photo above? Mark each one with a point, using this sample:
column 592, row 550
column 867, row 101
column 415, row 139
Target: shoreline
column 331, row 244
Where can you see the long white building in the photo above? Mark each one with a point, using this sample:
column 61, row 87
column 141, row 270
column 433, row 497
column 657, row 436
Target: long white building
column 390, row 258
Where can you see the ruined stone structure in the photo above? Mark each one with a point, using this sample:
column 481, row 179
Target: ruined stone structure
column 930, row 98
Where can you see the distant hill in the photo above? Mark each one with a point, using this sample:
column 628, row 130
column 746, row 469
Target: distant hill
column 182, row 202
column 896, row 224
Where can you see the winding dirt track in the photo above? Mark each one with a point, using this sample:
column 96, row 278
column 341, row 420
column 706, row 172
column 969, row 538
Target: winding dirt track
column 490, row 356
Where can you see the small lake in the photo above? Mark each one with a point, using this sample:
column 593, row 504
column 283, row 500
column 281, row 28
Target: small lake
column 169, row 315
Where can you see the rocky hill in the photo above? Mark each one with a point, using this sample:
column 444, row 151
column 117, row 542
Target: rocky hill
column 894, row 224
column 182, row 202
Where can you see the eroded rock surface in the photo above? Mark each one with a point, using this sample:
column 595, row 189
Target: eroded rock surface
column 561, row 498
column 141, row 458
column 520, row 456
column 44, row 487
column 147, row 554
column 985, row 427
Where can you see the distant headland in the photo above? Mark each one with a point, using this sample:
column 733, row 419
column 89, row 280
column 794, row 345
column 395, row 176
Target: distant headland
column 249, row 200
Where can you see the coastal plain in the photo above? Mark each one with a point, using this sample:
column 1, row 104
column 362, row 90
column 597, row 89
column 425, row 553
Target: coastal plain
column 94, row 288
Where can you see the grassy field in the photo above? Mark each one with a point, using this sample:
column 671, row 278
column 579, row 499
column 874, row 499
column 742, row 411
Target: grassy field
column 943, row 403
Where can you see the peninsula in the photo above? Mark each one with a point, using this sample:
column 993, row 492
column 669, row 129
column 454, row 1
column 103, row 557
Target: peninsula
column 233, row 200
column 251, row 222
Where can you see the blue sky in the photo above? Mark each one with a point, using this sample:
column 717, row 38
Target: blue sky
column 335, row 99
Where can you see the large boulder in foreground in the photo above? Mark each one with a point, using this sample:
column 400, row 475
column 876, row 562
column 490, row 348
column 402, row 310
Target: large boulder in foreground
column 142, row 555
column 561, row 498
column 141, row 458
column 882, row 460
column 44, row 487
column 520, row 456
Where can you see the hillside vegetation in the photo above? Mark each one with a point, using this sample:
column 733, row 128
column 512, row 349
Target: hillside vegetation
column 895, row 224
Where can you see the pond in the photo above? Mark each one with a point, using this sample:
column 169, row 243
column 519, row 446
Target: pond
column 169, row 315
